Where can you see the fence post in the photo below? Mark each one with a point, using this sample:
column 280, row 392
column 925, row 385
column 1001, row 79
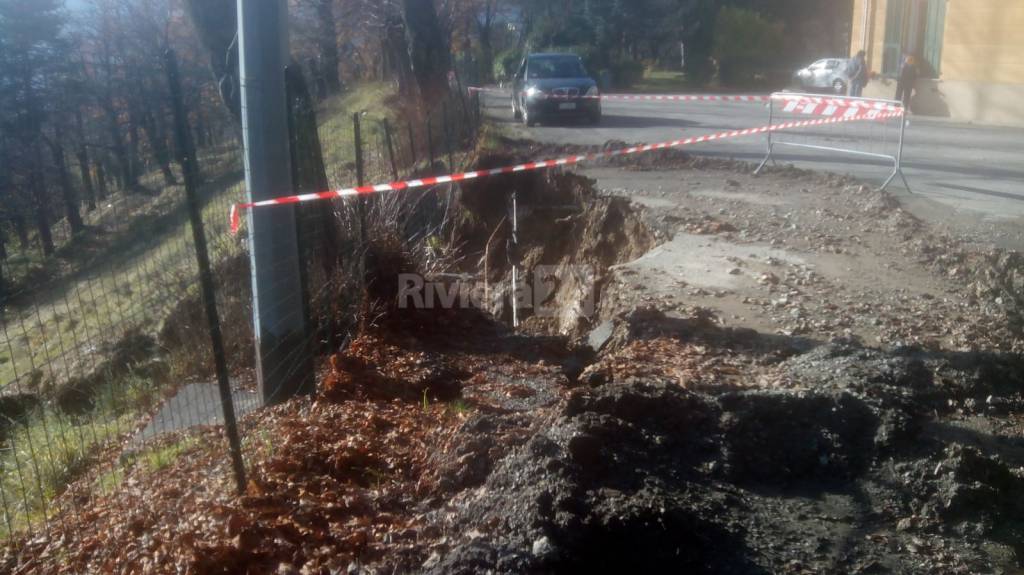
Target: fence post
column 284, row 359
column 412, row 145
column 294, row 85
column 360, row 176
column 446, row 121
column 430, row 143
column 898, row 159
column 391, row 150
column 771, row 126
column 462, row 100
column 479, row 109
column 187, row 160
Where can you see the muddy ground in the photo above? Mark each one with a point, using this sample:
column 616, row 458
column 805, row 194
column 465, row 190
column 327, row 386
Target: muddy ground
column 787, row 374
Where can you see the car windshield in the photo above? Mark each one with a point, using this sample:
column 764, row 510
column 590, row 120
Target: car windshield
column 555, row 67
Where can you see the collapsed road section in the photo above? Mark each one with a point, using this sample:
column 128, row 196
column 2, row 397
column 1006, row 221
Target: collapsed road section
column 666, row 428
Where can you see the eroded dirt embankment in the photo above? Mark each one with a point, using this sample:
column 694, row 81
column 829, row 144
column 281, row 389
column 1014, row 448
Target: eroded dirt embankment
column 563, row 227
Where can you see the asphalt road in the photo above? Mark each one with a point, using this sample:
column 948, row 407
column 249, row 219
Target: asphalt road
column 976, row 170
column 194, row 405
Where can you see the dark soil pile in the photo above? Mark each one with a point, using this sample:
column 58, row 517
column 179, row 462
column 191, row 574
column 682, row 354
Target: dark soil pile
column 642, row 474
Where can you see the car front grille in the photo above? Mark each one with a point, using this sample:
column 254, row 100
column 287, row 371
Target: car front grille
column 566, row 92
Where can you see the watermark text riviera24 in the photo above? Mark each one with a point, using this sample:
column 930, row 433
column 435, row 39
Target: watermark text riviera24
column 534, row 293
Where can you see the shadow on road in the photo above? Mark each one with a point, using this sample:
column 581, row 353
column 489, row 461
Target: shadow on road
column 626, row 122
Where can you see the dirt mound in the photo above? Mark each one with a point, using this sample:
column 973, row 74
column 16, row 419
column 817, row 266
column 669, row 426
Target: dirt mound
column 930, row 381
column 636, row 471
column 134, row 353
column 372, row 368
column 602, row 486
column 779, row 438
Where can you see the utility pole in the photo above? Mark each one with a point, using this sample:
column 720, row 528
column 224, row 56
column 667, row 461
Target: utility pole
column 283, row 351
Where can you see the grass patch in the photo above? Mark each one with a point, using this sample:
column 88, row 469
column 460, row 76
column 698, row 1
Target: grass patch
column 162, row 457
column 460, row 407
column 133, row 283
column 337, row 132
column 47, row 449
column 110, row 481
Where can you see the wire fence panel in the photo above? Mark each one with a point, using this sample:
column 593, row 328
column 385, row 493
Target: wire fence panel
column 89, row 369
column 105, row 357
column 878, row 139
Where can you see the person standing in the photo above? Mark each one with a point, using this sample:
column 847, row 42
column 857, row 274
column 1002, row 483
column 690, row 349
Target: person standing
column 858, row 74
column 907, row 80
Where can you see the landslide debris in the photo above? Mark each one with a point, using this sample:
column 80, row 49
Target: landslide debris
column 568, row 237
column 641, row 473
column 441, row 441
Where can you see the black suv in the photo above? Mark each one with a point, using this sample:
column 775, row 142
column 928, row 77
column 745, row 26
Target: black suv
column 554, row 85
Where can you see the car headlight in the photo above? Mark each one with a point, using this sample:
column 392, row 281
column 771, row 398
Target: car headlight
column 593, row 92
column 534, row 92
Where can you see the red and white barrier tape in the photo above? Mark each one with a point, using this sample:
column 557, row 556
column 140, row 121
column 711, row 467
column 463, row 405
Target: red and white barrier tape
column 647, row 97
column 799, row 103
column 832, row 106
column 236, row 209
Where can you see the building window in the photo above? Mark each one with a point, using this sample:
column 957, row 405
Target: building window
column 895, row 30
column 914, row 27
column 934, row 32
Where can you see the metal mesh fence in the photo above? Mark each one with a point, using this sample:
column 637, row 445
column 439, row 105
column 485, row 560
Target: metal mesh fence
column 877, row 139
column 105, row 358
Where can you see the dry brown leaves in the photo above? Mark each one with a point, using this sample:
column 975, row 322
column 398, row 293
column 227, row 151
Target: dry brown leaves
column 330, row 484
column 688, row 364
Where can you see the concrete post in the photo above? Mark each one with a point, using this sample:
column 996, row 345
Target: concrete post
column 284, row 359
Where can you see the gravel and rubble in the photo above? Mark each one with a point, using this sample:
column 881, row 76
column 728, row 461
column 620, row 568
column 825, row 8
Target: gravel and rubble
column 769, row 385
column 815, row 255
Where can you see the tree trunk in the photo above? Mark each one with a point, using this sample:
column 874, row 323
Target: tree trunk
column 320, row 86
column 101, row 182
column 199, row 129
column 486, row 66
column 427, row 50
column 20, row 230
column 83, row 168
column 133, row 146
column 398, row 50
column 216, row 24
column 327, row 38
column 67, row 190
column 158, row 143
column 41, row 204
column 124, row 165
column 308, row 171
column 310, row 175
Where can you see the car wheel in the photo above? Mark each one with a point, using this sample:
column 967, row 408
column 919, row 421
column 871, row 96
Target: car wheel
column 839, row 87
column 515, row 110
column 528, row 117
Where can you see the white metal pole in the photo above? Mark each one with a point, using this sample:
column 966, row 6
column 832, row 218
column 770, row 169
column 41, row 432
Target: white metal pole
column 284, row 362
column 515, row 262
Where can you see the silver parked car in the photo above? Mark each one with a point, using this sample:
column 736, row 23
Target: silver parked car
column 825, row 74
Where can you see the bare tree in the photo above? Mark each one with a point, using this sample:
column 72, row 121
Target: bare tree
column 428, row 50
